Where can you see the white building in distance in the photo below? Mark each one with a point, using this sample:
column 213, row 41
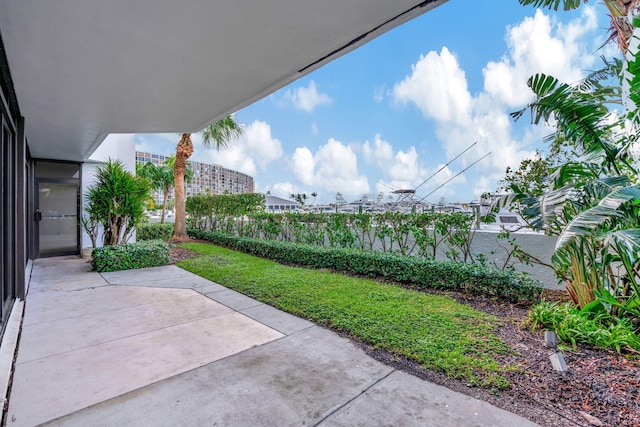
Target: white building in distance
column 207, row 178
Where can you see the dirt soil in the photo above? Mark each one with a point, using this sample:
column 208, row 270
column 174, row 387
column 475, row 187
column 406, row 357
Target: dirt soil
column 601, row 388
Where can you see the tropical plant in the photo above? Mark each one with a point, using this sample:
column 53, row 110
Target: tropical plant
column 592, row 201
column 218, row 133
column 160, row 177
column 116, row 201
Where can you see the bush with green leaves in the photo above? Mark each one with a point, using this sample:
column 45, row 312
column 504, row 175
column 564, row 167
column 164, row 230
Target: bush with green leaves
column 222, row 211
column 116, row 202
column 424, row 234
column 150, row 253
column 416, row 272
column 155, row 231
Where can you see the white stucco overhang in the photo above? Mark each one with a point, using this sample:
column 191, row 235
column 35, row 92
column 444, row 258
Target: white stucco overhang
column 85, row 68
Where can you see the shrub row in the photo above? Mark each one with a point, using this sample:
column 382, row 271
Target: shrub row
column 416, row 272
column 154, row 231
column 150, row 253
column 424, row 234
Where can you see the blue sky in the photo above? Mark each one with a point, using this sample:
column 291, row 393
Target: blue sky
column 391, row 113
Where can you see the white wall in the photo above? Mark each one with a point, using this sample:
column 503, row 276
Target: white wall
column 115, row 146
column 118, row 146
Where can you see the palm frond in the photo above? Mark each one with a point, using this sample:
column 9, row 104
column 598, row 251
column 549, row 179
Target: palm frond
column 573, row 172
column 221, row 132
column 612, row 69
column 552, row 4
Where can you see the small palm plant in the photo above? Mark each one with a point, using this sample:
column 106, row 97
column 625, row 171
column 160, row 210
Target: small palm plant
column 116, row 201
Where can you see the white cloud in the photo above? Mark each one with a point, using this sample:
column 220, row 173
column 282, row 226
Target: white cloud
column 405, row 166
column 252, row 151
column 379, row 152
column 379, row 92
column 283, row 189
column 538, row 45
column 333, row 168
column 402, row 169
column 399, row 166
column 437, row 86
column 306, row 98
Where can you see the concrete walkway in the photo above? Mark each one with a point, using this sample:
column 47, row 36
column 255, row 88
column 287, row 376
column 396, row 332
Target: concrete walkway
column 164, row 347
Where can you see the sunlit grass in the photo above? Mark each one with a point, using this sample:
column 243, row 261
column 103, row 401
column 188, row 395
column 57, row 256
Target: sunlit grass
column 434, row 330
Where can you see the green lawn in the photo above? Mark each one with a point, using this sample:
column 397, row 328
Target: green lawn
column 434, row 330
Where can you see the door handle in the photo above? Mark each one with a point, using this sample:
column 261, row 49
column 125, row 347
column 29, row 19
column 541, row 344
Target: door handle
column 37, row 216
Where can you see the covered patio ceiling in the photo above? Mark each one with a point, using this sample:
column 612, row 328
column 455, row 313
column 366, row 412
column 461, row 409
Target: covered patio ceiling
column 82, row 69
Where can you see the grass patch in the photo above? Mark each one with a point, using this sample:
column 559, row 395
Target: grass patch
column 434, row 330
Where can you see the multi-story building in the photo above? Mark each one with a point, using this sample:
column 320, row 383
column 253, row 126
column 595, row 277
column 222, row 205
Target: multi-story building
column 207, row 178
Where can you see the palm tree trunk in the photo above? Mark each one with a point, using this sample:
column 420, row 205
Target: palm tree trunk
column 184, row 150
column 164, row 201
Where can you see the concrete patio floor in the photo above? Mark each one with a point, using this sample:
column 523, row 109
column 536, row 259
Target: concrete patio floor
column 162, row 346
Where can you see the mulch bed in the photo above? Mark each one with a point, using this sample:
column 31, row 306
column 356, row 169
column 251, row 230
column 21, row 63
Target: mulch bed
column 601, row 388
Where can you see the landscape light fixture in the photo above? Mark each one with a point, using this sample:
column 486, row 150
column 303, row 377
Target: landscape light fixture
column 556, row 358
column 551, row 339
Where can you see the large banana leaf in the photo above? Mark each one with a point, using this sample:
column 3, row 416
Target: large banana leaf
column 607, row 210
column 547, row 208
column 580, row 115
column 632, row 76
column 627, row 241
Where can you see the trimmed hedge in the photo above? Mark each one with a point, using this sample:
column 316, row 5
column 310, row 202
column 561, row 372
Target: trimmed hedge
column 150, row 253
column 416, row 272
column 154, row 231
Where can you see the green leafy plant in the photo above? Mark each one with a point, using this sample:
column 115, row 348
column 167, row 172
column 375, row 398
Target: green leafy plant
column 150, row 253
column 116, row 201
column 222, row 212
column 156, row 231
column 590, row 325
